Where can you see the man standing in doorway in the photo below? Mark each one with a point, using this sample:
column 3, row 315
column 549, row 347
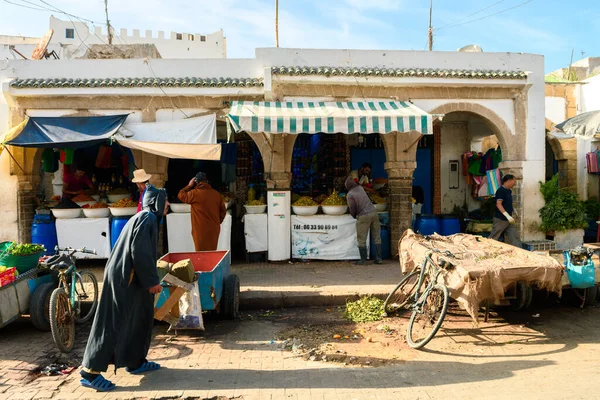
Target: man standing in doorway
column 363, row 210
column 141, row 179
column 208, row 211
column 504, row 223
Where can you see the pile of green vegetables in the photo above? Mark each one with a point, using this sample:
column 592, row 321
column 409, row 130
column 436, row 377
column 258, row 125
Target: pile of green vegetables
column 24, row 249
column 366, row 309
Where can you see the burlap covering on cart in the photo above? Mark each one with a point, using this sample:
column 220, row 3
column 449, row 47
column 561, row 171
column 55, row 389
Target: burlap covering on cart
column 483, row 268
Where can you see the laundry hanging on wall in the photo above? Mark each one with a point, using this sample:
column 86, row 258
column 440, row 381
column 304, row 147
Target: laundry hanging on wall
column 481, row 171
column 592, row 160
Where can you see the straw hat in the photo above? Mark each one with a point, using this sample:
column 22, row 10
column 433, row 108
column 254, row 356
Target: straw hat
column 139, row 175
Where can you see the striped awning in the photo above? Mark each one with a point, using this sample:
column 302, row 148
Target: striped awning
column 329, row 117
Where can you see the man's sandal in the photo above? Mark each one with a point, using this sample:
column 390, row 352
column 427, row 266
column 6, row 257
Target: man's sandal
column 146, row 367
column 99, row 383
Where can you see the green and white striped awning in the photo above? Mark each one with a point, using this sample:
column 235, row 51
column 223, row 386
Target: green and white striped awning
column 329, row 117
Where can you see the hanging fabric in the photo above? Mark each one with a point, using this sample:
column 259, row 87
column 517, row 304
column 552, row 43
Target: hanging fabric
column 104, row 157
column 494, row 181
column 66, row 156
column 49, row 161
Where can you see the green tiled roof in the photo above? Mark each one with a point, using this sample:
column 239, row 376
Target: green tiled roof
column 136, row 82
column 400, row 72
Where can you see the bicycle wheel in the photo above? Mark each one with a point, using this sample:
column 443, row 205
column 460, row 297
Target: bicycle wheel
column 62, row 323
column 402, row 294
column 426, row 320
column 86, row 296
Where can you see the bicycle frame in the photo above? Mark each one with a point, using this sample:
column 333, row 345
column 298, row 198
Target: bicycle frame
column 62, row 276
column 427, row 265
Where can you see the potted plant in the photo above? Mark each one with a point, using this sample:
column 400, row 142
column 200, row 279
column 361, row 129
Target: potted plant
column 564, row 214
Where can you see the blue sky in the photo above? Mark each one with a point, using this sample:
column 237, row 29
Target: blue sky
column 534, row 27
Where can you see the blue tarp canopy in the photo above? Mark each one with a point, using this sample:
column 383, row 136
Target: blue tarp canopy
column 67, row 132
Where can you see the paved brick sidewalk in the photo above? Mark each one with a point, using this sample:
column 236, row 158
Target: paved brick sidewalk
column 554, row 357
column 269, row 285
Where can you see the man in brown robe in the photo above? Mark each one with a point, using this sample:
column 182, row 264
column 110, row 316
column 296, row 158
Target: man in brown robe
column 208, row 211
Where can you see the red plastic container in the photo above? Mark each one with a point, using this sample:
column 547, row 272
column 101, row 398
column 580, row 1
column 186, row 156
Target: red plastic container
column 7, row 277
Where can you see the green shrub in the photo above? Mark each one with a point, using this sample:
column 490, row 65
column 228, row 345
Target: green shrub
column 563, row 210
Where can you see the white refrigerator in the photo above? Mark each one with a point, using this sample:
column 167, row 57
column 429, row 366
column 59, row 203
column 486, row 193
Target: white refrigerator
column 279, row 229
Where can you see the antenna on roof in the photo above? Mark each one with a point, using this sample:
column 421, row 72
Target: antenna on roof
column 430, row 31
column 41, row 50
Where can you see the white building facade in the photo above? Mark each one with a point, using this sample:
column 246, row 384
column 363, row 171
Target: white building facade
column 72, row 39
column 481, row 95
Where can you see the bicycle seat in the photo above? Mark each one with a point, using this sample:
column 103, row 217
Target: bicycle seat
column 445, row 264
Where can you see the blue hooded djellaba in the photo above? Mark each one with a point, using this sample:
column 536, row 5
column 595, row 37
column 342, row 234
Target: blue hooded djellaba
column 122, row 329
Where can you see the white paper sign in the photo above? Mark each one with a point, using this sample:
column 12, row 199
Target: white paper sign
column 324, row 237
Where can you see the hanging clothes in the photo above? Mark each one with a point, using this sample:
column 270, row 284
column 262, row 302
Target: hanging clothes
column 494, row 181
column 50, row 160
column 104, row 157
column 66, row 156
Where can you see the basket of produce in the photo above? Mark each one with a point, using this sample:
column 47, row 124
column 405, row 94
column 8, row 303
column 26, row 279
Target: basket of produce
column 378, row 201
column 180, row 207
column 118, row 194
column 83, row 199
column 66, row 209
column 228, row 200
column 378, row 183
column 98, row 210
column 66, row 213
column 123, row 208
column 305, row 206
column 23, row 256
column 334, row 205
column 255, row 207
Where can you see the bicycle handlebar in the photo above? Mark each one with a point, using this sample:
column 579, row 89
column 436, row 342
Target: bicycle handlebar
column 73, row 251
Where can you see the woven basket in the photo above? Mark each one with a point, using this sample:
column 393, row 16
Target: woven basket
column 23, row 263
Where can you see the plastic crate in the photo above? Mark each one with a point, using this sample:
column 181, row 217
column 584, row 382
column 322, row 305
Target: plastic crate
column 539, row 245
column 7, row 277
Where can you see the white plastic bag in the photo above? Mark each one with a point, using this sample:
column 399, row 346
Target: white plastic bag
column 190, row 310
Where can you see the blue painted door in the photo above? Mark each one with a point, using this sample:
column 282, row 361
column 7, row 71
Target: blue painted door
column 423, row 176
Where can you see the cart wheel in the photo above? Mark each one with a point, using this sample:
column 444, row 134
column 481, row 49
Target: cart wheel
column 587, row 296
column 523, row 298
column 230, row 301
column 39, row 307
column 529, row 298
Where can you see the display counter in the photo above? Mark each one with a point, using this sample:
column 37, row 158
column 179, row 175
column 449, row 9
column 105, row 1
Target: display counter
column 324, row 237
column 255, row 233
column 91, row 233
column 179, row 233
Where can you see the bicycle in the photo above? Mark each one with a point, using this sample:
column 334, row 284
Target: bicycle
column 427, row 299
column 66, row 302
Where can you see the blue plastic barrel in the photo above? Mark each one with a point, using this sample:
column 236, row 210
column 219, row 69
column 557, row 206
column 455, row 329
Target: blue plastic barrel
column 116, row 226
column 384, row 218
column 427, row 224
column 385, row 244
column 449, row 225
column 43, row 231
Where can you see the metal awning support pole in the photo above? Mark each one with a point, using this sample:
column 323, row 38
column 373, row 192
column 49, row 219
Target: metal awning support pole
column 16, row 162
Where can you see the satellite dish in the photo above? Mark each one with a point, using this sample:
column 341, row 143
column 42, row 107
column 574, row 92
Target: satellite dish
column 471, row 48
column 39, row 52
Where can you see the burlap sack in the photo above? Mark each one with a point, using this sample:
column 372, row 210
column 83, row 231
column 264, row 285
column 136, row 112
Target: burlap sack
column 183, row 270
